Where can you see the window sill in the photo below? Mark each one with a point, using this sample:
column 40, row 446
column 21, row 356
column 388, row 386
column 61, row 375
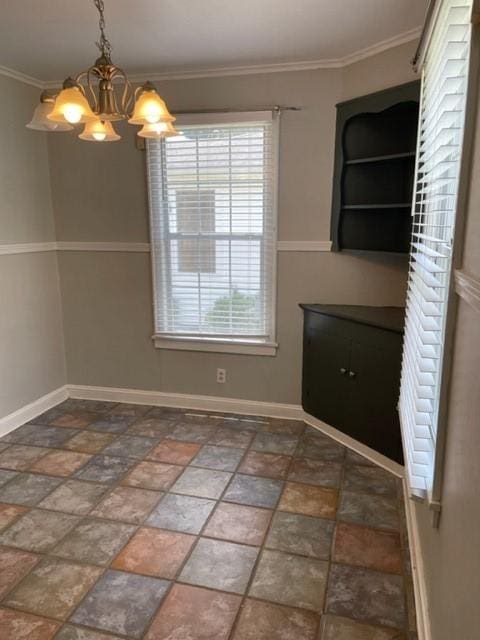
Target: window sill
column 217, row 346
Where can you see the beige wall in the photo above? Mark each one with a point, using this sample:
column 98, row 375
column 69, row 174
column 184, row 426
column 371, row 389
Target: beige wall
column 99, row 194
column 32, row 361
column 451, row 553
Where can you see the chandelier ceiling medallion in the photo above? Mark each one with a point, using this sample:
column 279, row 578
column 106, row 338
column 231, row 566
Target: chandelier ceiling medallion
column 101, row 96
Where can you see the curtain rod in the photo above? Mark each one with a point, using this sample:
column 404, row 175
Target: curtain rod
column 276, row 108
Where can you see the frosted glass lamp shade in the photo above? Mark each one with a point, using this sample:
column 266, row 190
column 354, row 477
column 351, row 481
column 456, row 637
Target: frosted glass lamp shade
column 150, row 108
column 158, row 130
column 99, row 131
column 40, row 120
column 72, row 107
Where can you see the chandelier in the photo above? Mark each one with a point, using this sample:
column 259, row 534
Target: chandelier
column 101, row 96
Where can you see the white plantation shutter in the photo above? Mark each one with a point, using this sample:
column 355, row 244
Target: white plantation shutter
column 442, row 116
column 213, row 221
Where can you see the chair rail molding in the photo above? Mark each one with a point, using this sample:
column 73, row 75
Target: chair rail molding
column 141, row 247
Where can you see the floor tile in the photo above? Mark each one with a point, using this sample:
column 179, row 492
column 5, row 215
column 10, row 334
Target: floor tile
column 232, row 437
column 53, row 588
column 366, row 595
column 52, row 414
column 300, row 534
column 309, row 500
column 319, row 472
column 16, row 625
column 89, row 442
column 275, row 443
column 28, row 489
column 95, row 406
column 151, row 427
column 204, row 483
column 155, row 552
column 20, row 457
column 38, row 530
column 60, row 463
column 271, row 465
column 220, row 565
column 166, row 413
column 111, row 424
column 6, row 476
column 76, row 419
column 153, row 475
column 14, row 566
column 353, row 457
column 74, row 496
column 127, row 504
column 320, row 447
column 369, row 548
column 41, row 436
column 338, row 628
column 130, row 446
column 121, row 603
column 196, row 614
column 286, row 427
column 132, row 410
column 265, row 621
column 254, row 491
column 72, row 632
column 199, row 433
column 173, row 452
column 9, row 513
column 221, row 458
column 368, row 510
column 290, row 580
column 105, row 469
column 369, row 480
column 94, row 541
column 181, row 513
column 238, row 523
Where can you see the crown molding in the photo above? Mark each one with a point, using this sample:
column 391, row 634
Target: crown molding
column 215, row 72
column 22, row 77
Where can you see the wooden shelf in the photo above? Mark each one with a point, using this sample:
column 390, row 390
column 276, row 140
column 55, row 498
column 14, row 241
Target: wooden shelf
column 398, row 205
column 392, row 156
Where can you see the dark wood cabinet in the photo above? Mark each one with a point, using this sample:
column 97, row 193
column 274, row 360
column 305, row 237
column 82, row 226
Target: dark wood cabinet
column 374, row 168
column 351, row 371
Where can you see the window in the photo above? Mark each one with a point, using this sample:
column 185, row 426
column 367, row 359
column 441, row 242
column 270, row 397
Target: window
column 441, row 127
column 213, row 221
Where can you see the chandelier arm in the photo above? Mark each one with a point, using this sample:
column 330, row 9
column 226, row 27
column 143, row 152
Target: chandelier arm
column 86, row 75
column 127, row 93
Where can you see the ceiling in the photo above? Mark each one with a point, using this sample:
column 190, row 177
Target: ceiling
column 50, row 39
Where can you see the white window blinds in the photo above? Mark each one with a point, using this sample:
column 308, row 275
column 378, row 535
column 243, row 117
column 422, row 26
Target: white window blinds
column 442, row 115
column 213, row 224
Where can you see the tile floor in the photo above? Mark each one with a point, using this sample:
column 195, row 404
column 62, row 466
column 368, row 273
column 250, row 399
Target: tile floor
column 127, row 521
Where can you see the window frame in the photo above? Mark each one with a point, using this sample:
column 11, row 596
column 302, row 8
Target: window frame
column 224, row 344
column 433, row 492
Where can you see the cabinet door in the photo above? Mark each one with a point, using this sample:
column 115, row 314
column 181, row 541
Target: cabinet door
column 370, row 408
column 325, row 371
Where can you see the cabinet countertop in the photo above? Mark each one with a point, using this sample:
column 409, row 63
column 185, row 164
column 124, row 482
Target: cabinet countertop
column 388, row 318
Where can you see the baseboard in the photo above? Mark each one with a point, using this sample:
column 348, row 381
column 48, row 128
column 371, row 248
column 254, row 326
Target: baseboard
column 32, row 410
column 187, row 401
column 354, row 445
column 418, row 569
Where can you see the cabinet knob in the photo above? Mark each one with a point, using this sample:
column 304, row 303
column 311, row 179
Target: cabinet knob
column 352, row 374
column 343, row 371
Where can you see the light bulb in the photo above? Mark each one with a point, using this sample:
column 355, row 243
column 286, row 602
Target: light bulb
column 99, row 136
column 72, row 113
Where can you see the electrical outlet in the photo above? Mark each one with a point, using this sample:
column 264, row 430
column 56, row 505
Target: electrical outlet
column 221, row 376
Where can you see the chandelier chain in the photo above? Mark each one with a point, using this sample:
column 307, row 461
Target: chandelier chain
column 104, row 44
